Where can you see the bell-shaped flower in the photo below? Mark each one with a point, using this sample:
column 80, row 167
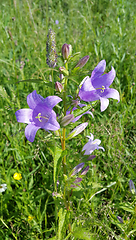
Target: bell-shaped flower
column 40, row 114
column 97, row 86
column 92, row 145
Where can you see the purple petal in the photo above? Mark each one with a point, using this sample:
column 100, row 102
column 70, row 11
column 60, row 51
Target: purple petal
column 52, row 124
column 111, row 93
column 99, row 69
column 33, row 99
column 104, row 80
column 30, row 132
column 24, row 115
column 87, row 85
column 51, row 101
column 104, row 103
column 88, row 96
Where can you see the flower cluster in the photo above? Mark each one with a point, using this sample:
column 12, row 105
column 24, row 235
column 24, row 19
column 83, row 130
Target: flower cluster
column 40, row 114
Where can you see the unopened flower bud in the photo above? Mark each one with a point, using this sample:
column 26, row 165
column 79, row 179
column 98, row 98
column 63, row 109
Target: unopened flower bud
column 58, row 87
column 67, row 119
column 66, row 51
column 85, row 170
column 77, row 130
column 82, row 62
column 91, row 157
column 132, row 187
column 61, row 76
column 77, row 168
column 64, row 71
column 120, row 219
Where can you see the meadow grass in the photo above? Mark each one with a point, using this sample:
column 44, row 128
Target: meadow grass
column 102, row 29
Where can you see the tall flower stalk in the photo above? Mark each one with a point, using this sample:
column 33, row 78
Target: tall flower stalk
column 41, row 115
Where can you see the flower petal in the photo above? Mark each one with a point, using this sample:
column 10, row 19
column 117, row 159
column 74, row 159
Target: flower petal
column 104, row 80
column 51, row 101
column 104, row 103
column 33, row 99
column 87, row 85
column 30, row 132
column 52, row 124
column 88, row 96
column 24, row 115
column 99, row 69
column 111, row 93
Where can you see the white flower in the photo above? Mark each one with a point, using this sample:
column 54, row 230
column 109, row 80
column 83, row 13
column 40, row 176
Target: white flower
column 92, row 145
column 3, row 187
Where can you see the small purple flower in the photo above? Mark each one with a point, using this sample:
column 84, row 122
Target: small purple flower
column 40, row 114
column 57, row 22
column 97, row 87
column 92, row 145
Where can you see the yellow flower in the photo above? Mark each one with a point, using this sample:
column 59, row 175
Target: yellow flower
column 17, row 176
column 30, row 218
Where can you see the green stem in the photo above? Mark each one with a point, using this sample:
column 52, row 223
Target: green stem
column 52, row 82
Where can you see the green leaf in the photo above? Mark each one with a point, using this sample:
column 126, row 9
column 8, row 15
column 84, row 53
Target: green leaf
column 62, row 214
column 80, row 111
column 57, row 155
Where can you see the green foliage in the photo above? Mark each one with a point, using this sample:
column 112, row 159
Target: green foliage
column 102, row 30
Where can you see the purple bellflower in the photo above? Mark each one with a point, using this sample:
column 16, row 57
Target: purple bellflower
column 92, row 145
column 97, row 86
column 40, row 114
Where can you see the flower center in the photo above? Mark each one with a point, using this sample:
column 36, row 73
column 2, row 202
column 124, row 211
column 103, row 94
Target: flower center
column 39, row 117
column 102, row 89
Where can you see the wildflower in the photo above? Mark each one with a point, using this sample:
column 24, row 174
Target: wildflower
column 66, row 51
column 51, row 49
column 3, row 187
column 17, row 176
column 82, row 62
column 57, row 22
column 30, row 218
column 132, row 187
column 92, row 145
column 40, row 114
column 97, row 87
column 77, row 130
column 77, row 168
